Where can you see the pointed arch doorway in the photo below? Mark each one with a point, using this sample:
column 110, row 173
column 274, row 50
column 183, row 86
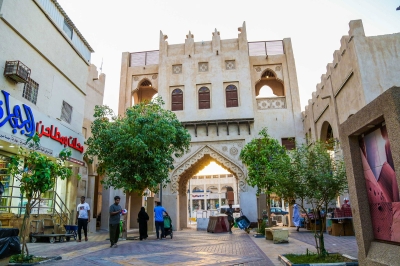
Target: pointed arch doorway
column 175, row 196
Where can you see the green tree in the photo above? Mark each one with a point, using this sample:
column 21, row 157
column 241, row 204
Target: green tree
column 266, row 161
column 136, row 151
column 314, row 177
column 36, row 174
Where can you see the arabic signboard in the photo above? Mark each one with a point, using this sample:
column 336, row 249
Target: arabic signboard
column 18, row 122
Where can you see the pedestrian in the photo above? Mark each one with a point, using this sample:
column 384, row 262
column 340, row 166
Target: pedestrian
column 82, row 218
column 115, row 214
column 159, row 220
column 296, row 215
column 231, row 221
column 143, row 217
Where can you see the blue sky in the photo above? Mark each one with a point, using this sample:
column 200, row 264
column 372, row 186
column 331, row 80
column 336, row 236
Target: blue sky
column 315, row 27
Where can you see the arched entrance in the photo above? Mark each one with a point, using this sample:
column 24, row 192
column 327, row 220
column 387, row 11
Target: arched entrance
column 326, row 132
column 175, row 197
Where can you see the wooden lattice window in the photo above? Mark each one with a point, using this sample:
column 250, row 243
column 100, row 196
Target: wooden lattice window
column 204, row 98
column 177, row 100
column 231, row 96
column 289, row 143
column 66, row 112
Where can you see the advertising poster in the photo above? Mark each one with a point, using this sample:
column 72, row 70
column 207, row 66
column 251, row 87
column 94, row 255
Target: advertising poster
column 381, row 184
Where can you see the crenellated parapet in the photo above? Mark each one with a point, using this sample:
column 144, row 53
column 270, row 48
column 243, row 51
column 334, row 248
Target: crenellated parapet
column 361, row 69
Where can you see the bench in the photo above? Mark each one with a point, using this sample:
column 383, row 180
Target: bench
column 278, row 235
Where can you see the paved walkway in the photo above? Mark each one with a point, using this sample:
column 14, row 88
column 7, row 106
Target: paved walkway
column 188, row 247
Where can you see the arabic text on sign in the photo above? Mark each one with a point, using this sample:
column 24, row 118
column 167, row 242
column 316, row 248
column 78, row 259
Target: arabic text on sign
column 53, row 133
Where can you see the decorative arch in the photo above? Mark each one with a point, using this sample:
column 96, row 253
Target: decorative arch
column 326, row 131
column 269, row 78
column 144, row 91
column 198, row 161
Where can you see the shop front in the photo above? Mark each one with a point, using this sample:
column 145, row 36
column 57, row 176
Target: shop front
column 18, row 122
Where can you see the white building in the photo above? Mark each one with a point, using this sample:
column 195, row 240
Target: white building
column 46, row 62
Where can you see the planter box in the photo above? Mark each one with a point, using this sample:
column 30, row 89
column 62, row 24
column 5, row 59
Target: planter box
column 286, row 262
column 49, row 259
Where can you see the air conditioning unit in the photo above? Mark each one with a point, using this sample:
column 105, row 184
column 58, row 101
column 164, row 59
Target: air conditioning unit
column 17, row 71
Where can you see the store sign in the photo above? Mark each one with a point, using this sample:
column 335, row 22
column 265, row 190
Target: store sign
column 16, row 117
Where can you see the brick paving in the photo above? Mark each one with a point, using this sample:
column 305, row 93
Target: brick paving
column 341, row 244
column 188, row 247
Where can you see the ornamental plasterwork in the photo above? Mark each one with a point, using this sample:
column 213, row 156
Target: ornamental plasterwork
column 271, row 103
column 135, row 78
column 154, row 76
column 230, row 64
column 192, row 165
column 203, row 67
column 176, row 69
column 277, row 69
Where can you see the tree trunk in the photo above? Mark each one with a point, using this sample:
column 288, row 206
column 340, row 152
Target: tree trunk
column 269, row 210
column 24, row 228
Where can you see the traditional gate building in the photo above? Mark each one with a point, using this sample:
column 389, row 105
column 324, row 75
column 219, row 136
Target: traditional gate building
column 224, row 92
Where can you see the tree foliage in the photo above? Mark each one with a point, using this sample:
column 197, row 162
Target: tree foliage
column 314, row 178
column 136, row 151
column 36, row 174
column 266, row 161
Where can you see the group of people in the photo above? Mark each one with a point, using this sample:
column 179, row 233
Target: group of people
column 83, row 218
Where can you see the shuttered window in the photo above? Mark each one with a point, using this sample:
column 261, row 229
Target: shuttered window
column 177, row 100
column 204, row 98
column 231, row 96
column 289, row 143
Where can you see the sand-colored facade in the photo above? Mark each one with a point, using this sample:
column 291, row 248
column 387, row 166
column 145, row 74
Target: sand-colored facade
column 221, row 129
column 354, row 97
column 362, row 69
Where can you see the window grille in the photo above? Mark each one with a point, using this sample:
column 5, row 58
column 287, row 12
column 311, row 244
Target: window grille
column 204, row 98
column 31, row 89
column 177, row 100
column 231, row 96
column 66, row 112
column 67, row 29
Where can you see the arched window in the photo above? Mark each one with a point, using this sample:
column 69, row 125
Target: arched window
column 177, row 100
column 231, row 96
column 204, row 98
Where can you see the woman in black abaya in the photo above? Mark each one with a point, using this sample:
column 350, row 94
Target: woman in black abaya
column 143, row 217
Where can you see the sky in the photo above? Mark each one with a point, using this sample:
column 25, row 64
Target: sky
column 314, row 26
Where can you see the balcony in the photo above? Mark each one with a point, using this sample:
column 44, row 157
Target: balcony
column 264, row 103
column 17, row 71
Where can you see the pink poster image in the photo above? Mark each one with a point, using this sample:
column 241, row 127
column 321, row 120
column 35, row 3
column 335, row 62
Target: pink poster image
column 381, row 183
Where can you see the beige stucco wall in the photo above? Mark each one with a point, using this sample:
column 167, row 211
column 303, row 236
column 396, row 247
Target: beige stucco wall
column 221, row 146
column 363, row 68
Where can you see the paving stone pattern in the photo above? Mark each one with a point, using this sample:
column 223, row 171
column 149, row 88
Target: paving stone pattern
column 186, row 248
column 341, row 244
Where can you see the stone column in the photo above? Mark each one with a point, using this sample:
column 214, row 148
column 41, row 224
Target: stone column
column 150, row 212
column 205, row 197
column 219, row 192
